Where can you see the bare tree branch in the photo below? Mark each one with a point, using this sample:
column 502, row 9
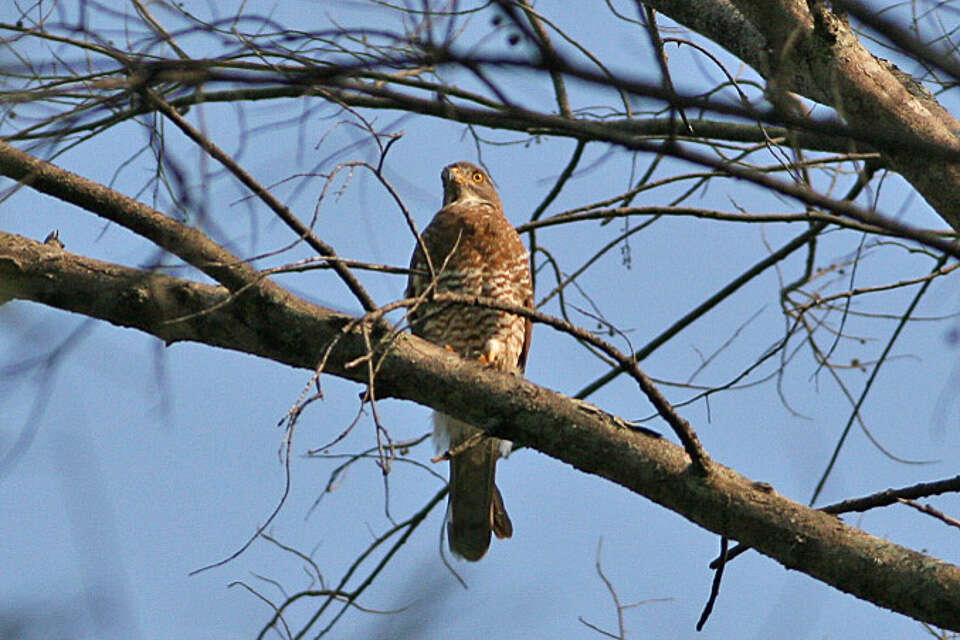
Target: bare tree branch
column 808, row 49
column 285, row 329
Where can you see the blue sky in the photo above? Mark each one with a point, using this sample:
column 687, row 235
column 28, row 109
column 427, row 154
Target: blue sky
column 149, row 462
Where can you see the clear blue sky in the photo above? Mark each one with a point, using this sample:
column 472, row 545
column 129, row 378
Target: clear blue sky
column 149, row 462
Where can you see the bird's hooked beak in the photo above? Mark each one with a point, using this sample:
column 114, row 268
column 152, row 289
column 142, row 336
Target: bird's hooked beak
column 451, row 173
column 452, row 179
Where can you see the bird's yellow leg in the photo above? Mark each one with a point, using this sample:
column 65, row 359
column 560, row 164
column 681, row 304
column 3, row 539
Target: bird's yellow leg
column 491, row 354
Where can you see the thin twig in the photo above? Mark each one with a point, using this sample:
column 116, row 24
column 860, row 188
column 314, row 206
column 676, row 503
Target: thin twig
column 873, row 376
column 268, row 198
column 715, row 585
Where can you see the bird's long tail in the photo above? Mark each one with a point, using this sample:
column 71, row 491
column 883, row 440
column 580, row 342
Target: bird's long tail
column 476, row 506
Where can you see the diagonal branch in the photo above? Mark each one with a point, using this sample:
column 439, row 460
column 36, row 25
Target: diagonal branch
column 286, row 329
column 192, row 245
column 807, row 48
column 268, row 198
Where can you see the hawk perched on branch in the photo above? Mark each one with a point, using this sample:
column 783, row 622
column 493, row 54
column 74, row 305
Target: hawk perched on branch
column 473, row 250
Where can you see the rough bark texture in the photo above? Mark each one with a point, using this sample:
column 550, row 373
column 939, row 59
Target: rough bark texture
column 270, row 322
column 806, row 48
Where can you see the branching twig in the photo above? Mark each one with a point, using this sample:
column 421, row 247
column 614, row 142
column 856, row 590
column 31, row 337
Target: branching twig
column 268, row 198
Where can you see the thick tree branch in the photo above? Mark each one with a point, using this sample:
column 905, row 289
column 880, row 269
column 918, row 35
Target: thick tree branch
column 798, row 46
column 720, row 21
column 599, row 131
column 810, row 50
column 704, row 128
column 269, row 322
column 304, row 232
column 192, row 245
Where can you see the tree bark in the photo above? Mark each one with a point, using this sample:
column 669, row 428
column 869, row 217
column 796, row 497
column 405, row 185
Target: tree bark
column 806, row 48
column 270, row 322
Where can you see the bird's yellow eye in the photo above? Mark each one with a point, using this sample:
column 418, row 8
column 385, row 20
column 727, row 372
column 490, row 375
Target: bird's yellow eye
column 477, row 177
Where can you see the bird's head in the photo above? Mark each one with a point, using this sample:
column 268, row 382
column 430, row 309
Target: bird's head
column 466, row 182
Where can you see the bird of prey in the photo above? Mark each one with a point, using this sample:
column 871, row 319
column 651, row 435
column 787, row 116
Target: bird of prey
column 473, row 250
